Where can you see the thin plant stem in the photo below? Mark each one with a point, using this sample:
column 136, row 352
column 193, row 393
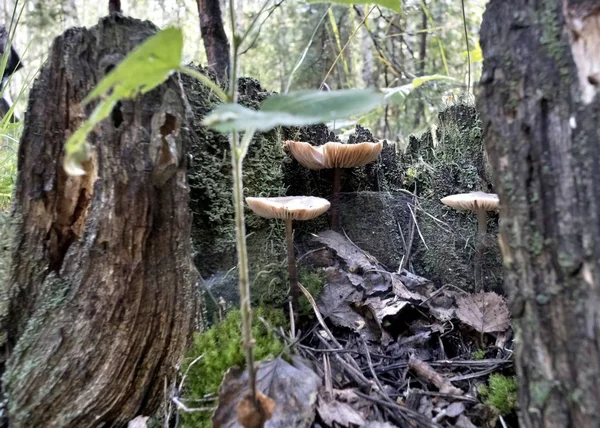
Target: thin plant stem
column 467, row 43
column 294, row 289
column 479, row 247
column 237, row 156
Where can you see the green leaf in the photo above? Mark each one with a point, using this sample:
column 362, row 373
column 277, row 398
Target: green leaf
column 398, row 94
column 146, row 67
column 390, row 4
column 294, row 109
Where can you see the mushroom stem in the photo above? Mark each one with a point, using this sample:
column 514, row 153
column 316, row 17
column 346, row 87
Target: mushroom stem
column 479, row 247
column 337, row 180
column 294, row 289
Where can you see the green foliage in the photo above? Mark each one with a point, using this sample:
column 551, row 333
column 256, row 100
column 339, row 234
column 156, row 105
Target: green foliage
column 500, row 393
column 294, row 109
column 390, row 4
column 220, row 347
column 478, row 354
column 313, row 281
column 142, row 70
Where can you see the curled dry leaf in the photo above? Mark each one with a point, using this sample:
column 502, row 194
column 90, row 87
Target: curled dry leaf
column 293, row 387
column 254, row 415
column 383, row 308
column 485, row 312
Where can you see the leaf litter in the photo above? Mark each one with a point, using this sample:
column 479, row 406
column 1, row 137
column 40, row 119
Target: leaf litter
column 389, row 349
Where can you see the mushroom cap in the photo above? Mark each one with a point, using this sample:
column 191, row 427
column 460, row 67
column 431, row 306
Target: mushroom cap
column 474, row 201
column 333, row 154
column 289, row 207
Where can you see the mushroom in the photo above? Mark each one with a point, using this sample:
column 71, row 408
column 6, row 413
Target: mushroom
column 289, row 208
column 480, row 203
column 337, row 156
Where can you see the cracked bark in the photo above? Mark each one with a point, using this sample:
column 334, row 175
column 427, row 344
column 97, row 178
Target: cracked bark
column 540, row 114
column 102, row 296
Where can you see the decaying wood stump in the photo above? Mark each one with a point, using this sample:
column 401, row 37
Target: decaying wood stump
column 101, row 287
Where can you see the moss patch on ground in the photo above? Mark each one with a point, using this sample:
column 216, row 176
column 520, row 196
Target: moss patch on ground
column 500, row 393
column 220, row 348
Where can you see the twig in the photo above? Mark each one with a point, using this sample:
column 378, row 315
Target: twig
column 187, row 409
column 316, row 250
column 427, row 372
column 417, row 226
column 372, row 370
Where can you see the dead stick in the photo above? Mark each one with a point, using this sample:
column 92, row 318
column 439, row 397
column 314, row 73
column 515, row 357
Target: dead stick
column 427, row 372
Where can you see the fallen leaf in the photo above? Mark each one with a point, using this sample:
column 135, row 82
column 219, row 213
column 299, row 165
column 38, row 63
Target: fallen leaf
column 464, row 422
column 455, row 409
column 485, row 312
column 339, row 413
column 375, row 424
column 402, row 292
column 293, row 387
column 383, row 308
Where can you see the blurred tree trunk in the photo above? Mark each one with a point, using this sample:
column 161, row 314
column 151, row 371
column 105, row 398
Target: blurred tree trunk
column 214, row 37
column 540, row 115
column 101, row 287
column 420, row 112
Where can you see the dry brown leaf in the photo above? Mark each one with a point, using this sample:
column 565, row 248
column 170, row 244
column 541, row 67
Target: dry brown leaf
column 339, row 413
column 485, row 312
column 294, row 389
column 383, row 308
column 251, row 415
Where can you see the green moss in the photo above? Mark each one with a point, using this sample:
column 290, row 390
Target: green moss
column 220, row 347
column 500, row 393
column 457, row 164
column 478, row 354
column 313, row 281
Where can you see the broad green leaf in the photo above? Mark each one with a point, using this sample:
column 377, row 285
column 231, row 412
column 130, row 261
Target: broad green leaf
column 418, row 81
column 390, row 4
column 294, row 109
column 146, row 67
column 398, row 94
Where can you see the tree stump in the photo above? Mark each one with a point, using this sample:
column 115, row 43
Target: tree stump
column 540, row 114
column 101, row 287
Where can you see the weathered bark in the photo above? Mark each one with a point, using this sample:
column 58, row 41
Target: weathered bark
column 541, row 132
column 214, row 37
column 101, row 284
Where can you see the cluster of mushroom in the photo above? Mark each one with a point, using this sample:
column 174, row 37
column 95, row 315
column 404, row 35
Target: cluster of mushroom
column 330, row 155
column 479, row 203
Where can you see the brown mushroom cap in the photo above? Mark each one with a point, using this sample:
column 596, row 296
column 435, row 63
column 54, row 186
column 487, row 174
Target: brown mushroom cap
column 473, row 201
column 289, row 207
column 334, row 155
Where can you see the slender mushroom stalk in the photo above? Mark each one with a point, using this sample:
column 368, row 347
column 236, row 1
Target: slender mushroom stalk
column 337, row 181
column 480, row 246
column 290, row 208
column 291, row 255
column 337, row 156
column 480, row 203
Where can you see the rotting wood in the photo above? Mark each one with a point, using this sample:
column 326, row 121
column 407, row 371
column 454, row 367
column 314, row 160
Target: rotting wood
column 102, row 286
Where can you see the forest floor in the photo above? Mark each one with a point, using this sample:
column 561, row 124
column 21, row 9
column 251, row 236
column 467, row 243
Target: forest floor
column 387, row 349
